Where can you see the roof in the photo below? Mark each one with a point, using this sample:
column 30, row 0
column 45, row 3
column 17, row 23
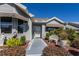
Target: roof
column 18, row 6
column 22, row 8
column 8, row 11
column 55, row 18
column 74, row 24
column 39, row 19
column 14, row 15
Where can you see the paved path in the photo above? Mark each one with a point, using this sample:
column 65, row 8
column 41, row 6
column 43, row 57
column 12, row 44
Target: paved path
column 36, row 47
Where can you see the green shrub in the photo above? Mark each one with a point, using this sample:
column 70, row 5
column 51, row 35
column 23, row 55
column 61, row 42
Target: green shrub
column 71, row 34
column 47, row 35
column 22, row 39
column 13, row 42
column 63, row 35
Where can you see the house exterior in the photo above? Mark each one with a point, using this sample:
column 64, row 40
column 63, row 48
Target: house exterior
column 73, row 25
column 16, row 18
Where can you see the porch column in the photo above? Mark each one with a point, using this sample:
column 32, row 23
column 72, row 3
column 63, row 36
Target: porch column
column 28, row 33
column 14, row 25
column 43, row 31
column 30, row 28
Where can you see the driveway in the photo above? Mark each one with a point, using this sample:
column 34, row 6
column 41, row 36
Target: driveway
column 36, row 48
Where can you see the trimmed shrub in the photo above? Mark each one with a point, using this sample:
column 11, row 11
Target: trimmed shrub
column 13, row 42
column 71, row 34
column 22, row 39
column 55, row 51
column 63, row 35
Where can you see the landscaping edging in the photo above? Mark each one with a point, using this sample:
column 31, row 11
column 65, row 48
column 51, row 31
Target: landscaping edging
column 13, row 51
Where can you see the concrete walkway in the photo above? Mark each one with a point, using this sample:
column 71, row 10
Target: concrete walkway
column 36, row 48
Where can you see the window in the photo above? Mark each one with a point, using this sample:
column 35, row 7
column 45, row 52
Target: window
column 6, row 28
column 51, row 28
column 20, row 26
column 6, row 24
column 26, row 27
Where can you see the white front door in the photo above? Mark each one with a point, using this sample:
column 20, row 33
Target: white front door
column 37, row 31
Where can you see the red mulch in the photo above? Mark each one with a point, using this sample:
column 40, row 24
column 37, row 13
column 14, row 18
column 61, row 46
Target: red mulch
column 72, row 50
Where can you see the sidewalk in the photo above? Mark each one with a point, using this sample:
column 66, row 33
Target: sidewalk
column 36, row 48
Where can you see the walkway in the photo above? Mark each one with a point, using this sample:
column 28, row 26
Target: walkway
column 36, row 48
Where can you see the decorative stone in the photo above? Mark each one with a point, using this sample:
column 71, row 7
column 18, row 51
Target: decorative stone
column 54, row 37
column 64, row 43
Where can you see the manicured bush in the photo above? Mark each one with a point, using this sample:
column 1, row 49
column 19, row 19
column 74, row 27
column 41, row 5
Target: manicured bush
column 22, row 39
column 55, row 51
column 13, row 42
column 71, row 34
column 63, row 35
column 47, row 35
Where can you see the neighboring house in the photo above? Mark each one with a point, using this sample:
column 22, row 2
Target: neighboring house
column 16, row 18
column 72, row 25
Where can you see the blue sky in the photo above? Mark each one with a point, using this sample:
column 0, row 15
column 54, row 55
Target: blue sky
column 66, row 12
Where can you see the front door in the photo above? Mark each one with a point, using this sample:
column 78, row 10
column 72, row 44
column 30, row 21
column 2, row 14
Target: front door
column 37, row 31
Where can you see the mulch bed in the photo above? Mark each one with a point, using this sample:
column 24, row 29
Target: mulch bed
column 72, row 50
column 13, row 51
column 52, row 50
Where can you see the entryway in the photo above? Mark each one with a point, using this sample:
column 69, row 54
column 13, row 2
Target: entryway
column 37, row 31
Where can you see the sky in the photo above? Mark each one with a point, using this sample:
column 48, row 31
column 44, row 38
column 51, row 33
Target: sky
column 68, row 12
